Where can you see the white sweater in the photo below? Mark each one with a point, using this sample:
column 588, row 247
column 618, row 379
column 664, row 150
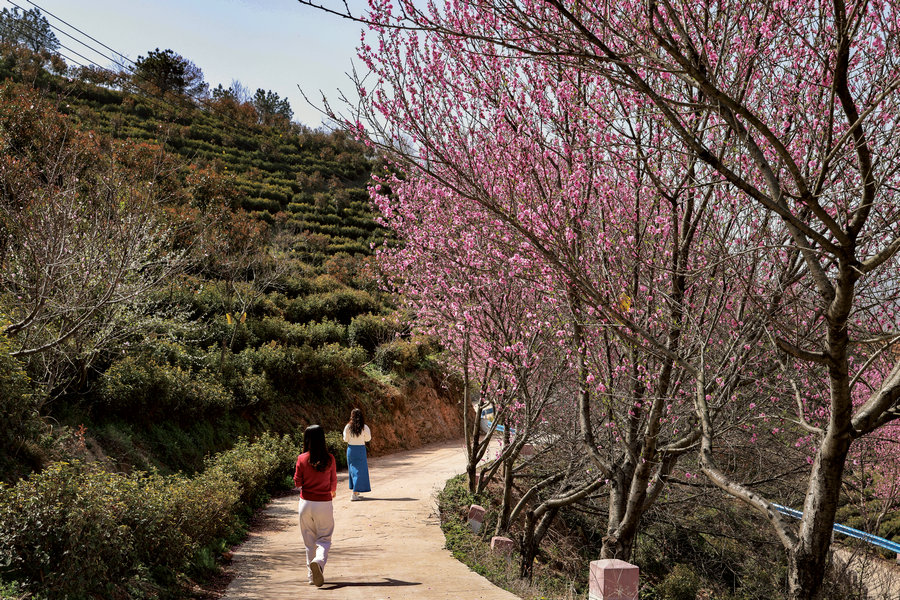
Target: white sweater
column 357, row 440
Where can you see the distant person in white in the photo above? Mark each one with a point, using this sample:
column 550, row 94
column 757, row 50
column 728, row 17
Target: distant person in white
column 356, row 434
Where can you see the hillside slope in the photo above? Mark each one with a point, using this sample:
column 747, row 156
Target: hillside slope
column 268, row 317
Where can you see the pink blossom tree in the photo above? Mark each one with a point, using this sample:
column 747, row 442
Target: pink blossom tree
column 788, row 109
column 797, row 102
column 503, row 178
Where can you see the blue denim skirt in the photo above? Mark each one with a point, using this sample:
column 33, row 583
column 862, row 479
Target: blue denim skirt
column 358, row 468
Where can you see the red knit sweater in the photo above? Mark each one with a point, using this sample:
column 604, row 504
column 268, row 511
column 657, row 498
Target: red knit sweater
column 315, row 485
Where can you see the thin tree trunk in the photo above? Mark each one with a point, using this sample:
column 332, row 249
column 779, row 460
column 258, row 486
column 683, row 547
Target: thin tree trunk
column 535, row 530
column 506, row 507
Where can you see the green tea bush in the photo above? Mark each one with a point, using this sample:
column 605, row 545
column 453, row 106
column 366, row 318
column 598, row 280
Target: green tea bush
column 370, row 331
column 338, row 447
column 295, row 334
column 280, row 364
column 326, row 332
column 341, row 306
column 139, row 387
column 256, row 467
column 76, row 530
column 335, row 358
column 19, row 406
column 269, row 329
column 60, row 529
column 399, row 356
column 352, row 248
column 258, row 204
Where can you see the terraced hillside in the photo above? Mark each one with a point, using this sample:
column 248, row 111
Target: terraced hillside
column 273, row 318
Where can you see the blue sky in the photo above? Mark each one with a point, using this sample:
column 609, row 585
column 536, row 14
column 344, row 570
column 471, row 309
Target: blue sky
column 270, row 44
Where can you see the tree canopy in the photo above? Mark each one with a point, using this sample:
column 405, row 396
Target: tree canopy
column 708, row 192
column 169, row 72
column 29, row 28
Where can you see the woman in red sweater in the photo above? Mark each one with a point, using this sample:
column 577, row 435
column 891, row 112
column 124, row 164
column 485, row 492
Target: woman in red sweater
column 316, row 476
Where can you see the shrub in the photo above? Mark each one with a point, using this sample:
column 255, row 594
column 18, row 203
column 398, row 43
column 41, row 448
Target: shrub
column 18, row 410
column 682, row 583
column 335, row 358
column 370, row 331
column 338, row 447
column 399, row 356
column 140, row 387
column 256, row 467
column 340, row 305
column 326, row 332
column 77, row 531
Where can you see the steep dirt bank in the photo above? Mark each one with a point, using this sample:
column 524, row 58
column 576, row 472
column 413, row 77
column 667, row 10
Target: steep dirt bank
column 419, row 413
column 418, row 410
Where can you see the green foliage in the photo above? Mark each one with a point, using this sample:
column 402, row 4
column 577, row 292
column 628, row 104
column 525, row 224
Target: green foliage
column 682, row 583
column 19, row 405
column 293, row 370
column 169, row 72
column 254, row 466
column 142, row 388
column 271, row 108
column 370, row 331
column 338, row 447
column 400, row 356
column 340, row 305
column 312, row 334
column 75, row 530
column 28, row 28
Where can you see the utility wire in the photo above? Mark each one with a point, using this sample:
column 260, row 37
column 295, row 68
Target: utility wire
column 45, row 11
column 161, row 97
column 75, row 39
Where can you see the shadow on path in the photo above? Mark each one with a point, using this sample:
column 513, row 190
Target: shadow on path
column 375, row 499
column 388, row 582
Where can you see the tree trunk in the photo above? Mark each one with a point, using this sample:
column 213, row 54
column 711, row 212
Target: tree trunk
column 506, row 507
column 620, row 529
column 471, row 431
column 535, row 530
column 809, row 560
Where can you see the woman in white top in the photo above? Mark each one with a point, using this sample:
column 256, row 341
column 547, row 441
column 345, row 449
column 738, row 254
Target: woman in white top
column 356, row 434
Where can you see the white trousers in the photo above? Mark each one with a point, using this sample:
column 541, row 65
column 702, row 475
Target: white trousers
column 316, row 527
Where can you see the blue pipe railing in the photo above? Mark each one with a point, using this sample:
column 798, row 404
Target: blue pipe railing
column 486, row 417
column 848, row 531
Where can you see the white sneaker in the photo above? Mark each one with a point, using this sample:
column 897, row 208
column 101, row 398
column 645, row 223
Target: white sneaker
column 354, row 497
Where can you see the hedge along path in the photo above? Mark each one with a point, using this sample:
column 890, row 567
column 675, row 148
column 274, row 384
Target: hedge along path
column 387, row 546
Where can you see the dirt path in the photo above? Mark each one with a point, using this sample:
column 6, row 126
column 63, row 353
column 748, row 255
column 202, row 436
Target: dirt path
column 387, row 546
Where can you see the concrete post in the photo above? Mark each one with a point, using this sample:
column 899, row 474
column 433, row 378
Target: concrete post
column 502, row 545
column 613, row 579
column 476, row 517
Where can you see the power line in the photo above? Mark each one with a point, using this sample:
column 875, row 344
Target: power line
column 75, row 39
column 161, row 97
column 45, row 11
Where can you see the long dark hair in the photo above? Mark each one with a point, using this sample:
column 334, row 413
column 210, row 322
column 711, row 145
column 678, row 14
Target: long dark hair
column 314, row 443
column 357, row 421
